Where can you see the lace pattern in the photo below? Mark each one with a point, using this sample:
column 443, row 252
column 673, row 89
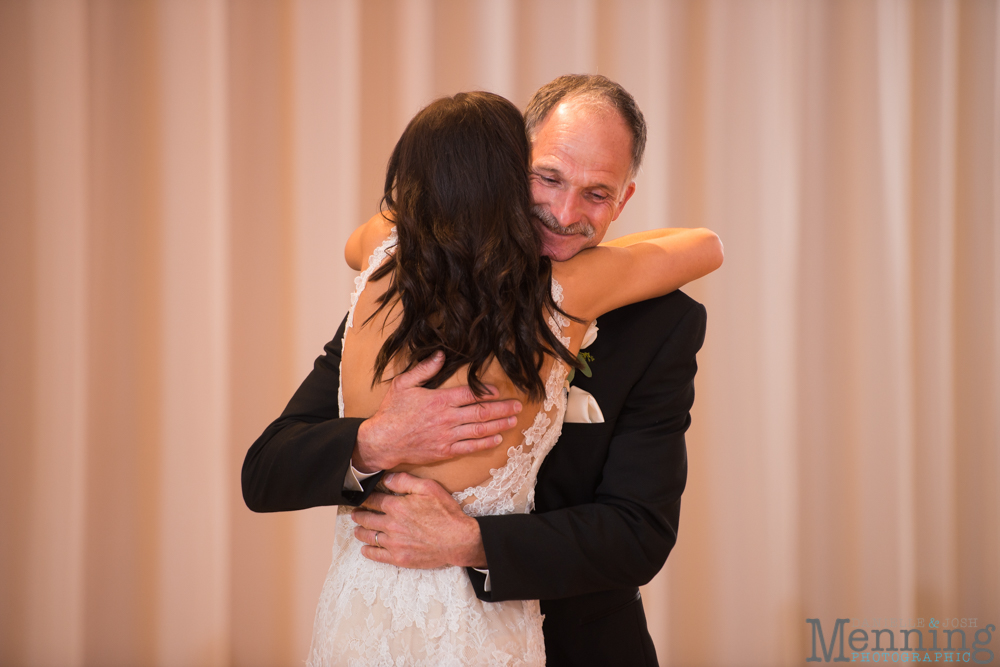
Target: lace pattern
column 375, row 614
column 512, row 487
column 370, row 613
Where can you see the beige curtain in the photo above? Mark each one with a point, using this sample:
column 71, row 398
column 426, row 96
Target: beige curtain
column 178, row 178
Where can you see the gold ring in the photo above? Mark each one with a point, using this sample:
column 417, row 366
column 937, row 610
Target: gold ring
column 376, row 540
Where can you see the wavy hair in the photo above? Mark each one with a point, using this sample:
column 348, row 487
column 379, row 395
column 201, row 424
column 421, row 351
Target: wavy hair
column 467, row 268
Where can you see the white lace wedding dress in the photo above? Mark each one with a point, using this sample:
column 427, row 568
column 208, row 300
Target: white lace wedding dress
column 370, row 613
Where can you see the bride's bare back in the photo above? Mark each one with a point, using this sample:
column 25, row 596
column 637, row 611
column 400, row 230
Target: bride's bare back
column 361, row 346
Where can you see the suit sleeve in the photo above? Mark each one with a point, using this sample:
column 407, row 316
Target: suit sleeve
column 301, row 459
column 622, row 539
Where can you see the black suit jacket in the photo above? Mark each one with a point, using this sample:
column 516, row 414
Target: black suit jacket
column 607, row 501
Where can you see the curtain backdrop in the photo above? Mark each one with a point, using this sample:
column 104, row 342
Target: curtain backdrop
column 178, row 179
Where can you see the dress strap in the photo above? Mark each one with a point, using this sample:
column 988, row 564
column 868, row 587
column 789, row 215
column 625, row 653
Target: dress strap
column 557, row 321
column 557, row 324
column 378, row 256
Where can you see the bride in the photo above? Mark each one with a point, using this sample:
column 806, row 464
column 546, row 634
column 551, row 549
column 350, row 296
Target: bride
column 453, row 265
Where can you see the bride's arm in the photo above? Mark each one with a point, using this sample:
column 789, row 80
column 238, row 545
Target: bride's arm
column 635, row 268
column 652, row 234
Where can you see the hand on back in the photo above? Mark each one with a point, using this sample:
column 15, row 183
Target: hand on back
column 417, row 426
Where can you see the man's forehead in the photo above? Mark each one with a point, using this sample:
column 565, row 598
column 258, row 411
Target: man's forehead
column 583, row 108
column 584, row 139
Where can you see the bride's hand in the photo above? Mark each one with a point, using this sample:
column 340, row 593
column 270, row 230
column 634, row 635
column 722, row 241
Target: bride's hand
column 417, row 426
column 421, row 528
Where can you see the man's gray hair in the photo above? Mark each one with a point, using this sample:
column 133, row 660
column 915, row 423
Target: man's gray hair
column 593, row 88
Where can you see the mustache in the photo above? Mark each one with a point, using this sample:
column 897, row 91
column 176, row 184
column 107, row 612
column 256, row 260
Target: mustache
column 550, row 223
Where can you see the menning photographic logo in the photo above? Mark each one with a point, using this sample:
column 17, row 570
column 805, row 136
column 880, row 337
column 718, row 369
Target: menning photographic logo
column 903, row 644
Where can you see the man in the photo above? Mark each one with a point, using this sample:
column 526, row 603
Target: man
column 608, row 495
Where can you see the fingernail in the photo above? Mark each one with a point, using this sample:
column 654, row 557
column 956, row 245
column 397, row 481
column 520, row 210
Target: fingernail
column 388, row 477
column 511, row 421
column 439, row 355
column 497, row 439
column 517, row 406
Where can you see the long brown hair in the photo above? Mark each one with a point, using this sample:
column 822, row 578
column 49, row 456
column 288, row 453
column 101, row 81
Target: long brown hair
column 467, row 268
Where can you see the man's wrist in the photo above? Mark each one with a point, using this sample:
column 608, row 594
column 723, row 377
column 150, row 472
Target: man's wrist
column 471, row 553
column 365, row 457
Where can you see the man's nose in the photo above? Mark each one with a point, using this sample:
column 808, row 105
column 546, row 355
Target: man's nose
column 566, row 209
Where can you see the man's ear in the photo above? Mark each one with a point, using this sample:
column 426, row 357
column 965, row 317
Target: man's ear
column 629, row 191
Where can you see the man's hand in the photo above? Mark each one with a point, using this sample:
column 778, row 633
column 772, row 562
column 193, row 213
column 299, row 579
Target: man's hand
column 425, row 528
column 418, row 426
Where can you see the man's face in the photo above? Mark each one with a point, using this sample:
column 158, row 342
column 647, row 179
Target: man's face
column 580, row 160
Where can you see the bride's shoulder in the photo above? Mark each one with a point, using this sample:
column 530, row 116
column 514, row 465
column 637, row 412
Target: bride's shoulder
column 583, row 279
column 366, row 238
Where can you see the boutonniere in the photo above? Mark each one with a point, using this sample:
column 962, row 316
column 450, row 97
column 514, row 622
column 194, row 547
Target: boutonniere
column 581, row 406
column 585, row 357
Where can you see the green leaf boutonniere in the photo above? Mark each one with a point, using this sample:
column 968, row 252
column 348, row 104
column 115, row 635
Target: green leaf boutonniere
column 585, row 358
